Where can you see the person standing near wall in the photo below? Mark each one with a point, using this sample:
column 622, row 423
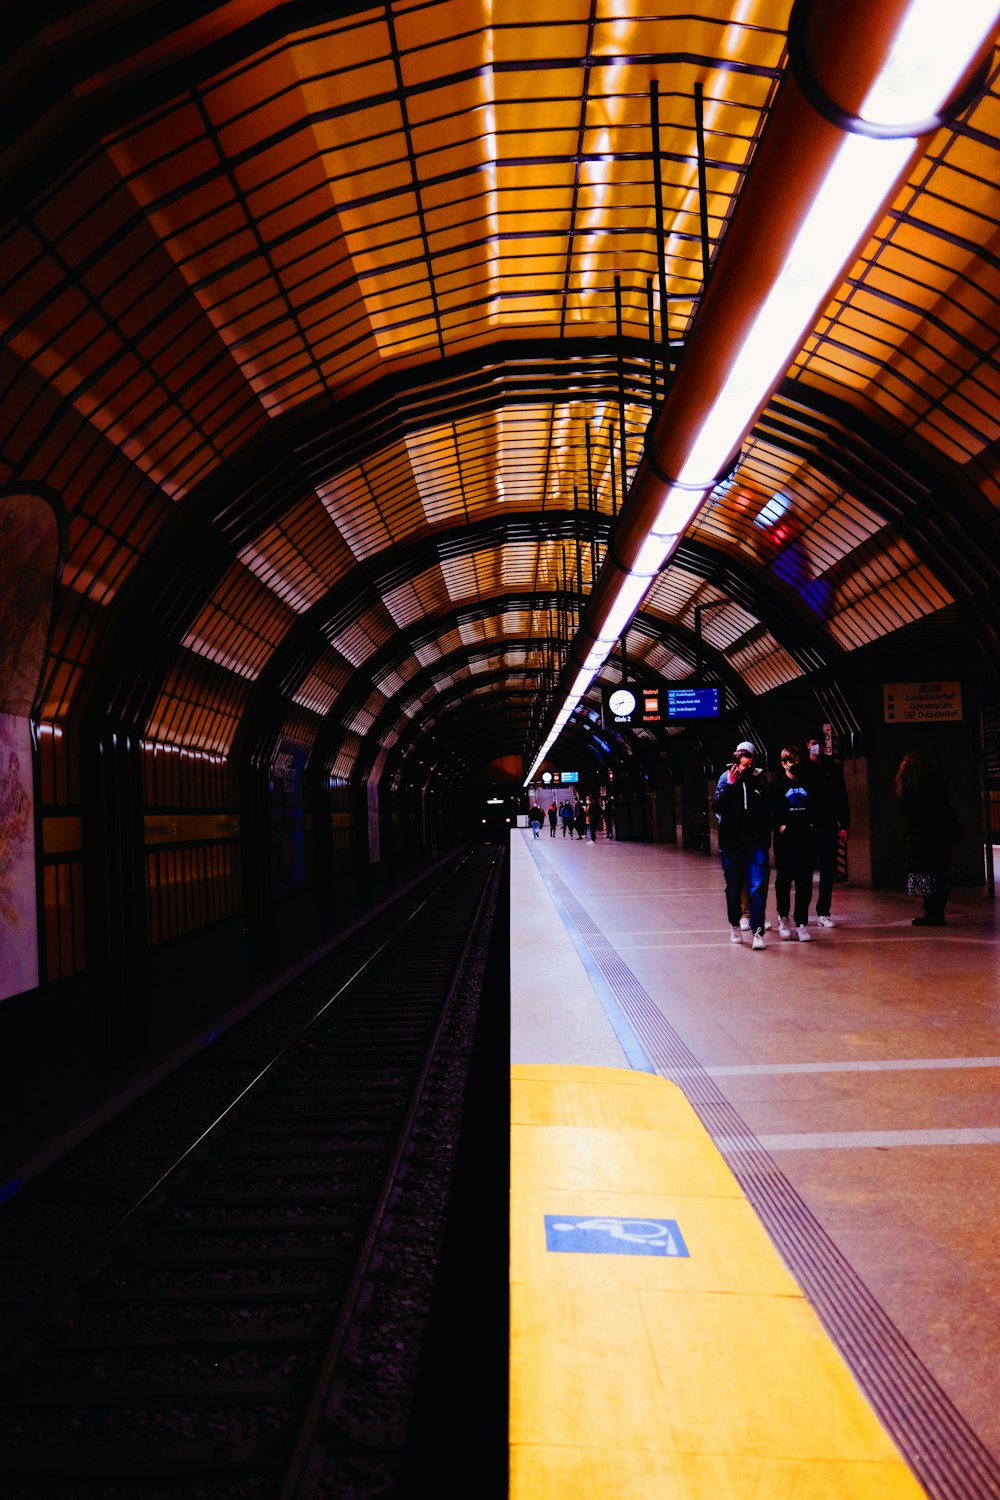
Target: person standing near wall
column 832, row 820
column 931, row 829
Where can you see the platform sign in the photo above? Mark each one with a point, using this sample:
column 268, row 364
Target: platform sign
column 568, row 776
column 693, row 703
column 583, row 1235
column 631, row 704
column 922, row 702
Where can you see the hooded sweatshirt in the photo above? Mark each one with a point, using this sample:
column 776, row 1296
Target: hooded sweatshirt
column 742, row 810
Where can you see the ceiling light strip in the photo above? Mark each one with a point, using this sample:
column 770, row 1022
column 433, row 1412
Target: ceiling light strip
column 808, row 204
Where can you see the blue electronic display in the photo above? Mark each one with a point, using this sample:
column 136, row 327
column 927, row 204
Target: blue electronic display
column 693, row 703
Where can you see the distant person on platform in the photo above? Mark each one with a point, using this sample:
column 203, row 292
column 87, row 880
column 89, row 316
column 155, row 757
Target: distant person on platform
column 553, row 814
column 791, row 796
column 591, row 816
column 536, row 818
column 566, row 818
column 931, row 829
column 580, row 819
column 832, row 819
column 742, row 807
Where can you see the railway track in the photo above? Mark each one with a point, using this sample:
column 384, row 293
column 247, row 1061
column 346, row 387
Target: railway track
column 224, row 1337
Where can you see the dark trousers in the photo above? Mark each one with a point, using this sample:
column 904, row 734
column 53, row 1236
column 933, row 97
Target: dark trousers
column 827, row 847
column 793, row 865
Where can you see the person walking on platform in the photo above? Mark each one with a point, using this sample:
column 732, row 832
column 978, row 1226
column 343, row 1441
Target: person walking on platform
column 832, row 820
column 580, row 819
column 566, row 818
column 553, row 814
column 742, row 808
column 931, row 829
column 791, row 798
column 536, row 818
column 593, row 814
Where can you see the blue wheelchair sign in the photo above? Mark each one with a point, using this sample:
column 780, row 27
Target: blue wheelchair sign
column 605, row 1236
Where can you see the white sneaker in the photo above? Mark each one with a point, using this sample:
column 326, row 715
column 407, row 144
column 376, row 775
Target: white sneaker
column 758, row 940
column 825, row 922
column 784, row 931
column 735, row 935
column 745, row 924
column 803, row 934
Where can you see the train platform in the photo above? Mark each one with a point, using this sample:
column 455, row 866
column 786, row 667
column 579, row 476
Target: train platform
column 753, row 1193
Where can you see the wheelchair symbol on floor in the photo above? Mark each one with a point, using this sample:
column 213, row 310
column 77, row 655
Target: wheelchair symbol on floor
column 613, row 1236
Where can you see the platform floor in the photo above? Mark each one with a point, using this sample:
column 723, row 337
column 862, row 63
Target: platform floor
column 852, row 1083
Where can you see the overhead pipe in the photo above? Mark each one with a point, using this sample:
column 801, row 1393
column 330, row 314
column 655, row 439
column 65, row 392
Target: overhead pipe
column 661, row 261
column 699, row 125
column 651, row 321
column 797, row 149
column 591, row 504
column 621, row 389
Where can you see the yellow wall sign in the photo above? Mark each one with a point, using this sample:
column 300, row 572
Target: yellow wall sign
column 922, row 702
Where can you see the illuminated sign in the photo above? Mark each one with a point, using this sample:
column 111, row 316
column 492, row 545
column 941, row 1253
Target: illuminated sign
column 922, row 702
column 569, row 775
column 632, row 705
column 693, row 703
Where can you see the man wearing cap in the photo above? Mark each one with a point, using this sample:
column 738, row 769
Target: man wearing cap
column 741, row 806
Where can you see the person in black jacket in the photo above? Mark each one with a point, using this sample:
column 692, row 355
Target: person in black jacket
column 792, row 798
column 832, row 820
column 742, row 808
column 931, row 829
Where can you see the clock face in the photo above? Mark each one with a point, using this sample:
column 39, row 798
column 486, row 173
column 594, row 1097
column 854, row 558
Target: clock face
column 621, row 701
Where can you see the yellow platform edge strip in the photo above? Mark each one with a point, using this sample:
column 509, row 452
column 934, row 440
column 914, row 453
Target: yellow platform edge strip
column 663, row 1375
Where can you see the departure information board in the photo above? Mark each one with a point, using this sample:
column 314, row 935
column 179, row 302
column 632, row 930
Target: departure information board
column 630, row 703
column 693, row 703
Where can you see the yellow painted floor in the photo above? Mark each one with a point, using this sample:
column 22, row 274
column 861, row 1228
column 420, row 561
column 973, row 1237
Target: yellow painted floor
column 638, row 1375
column 865, row 1063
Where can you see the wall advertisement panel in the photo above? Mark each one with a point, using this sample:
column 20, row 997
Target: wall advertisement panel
column 18, row 901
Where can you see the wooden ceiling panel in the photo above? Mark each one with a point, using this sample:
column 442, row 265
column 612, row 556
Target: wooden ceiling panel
column 348, row 207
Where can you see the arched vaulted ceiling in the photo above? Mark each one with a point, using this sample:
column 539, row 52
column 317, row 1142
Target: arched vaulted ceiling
column 310, row 327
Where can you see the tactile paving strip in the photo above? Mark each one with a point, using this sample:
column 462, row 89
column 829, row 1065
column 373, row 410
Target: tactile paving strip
column 940, row 1446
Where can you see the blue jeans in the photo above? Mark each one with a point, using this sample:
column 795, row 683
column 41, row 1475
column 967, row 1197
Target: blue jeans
column 746, row 865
